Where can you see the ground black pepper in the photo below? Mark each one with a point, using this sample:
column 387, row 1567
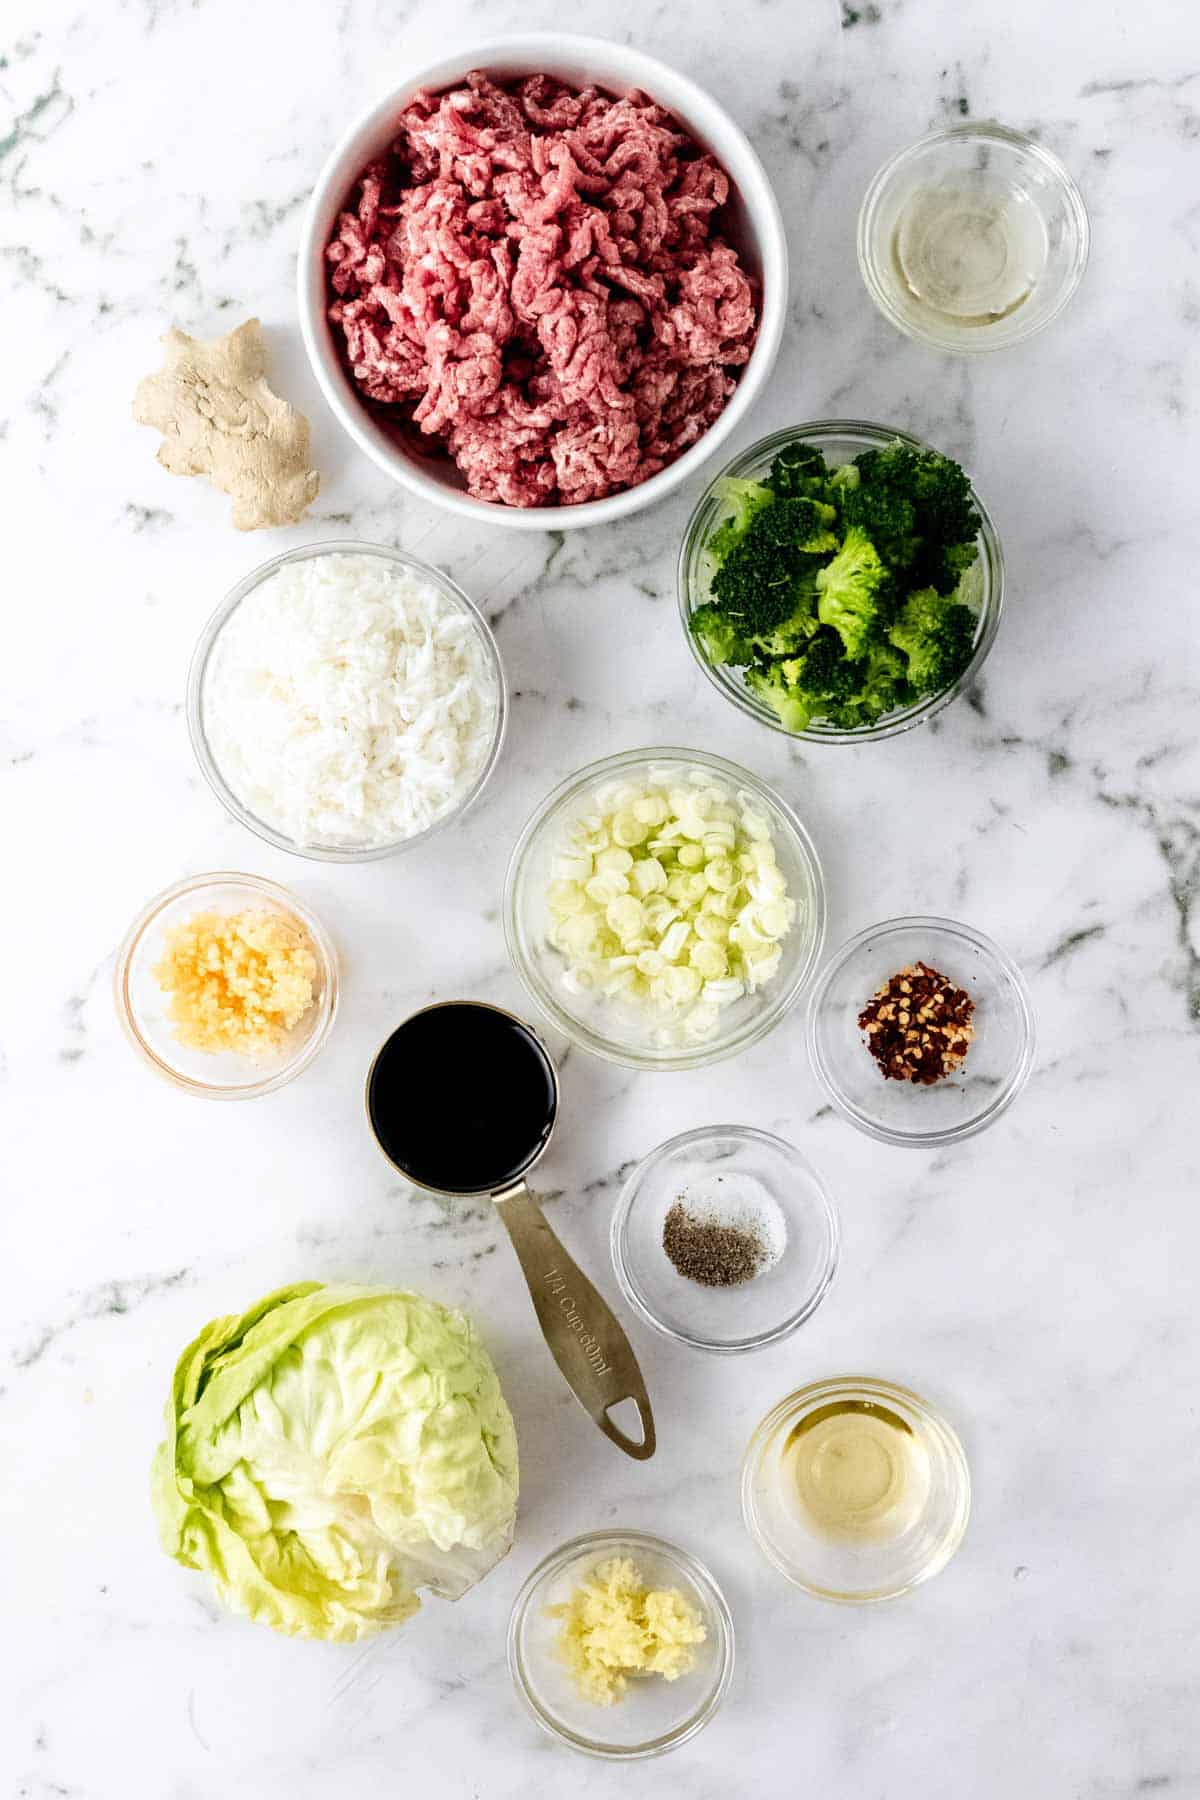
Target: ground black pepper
column 713, row 1254
column 918, row 1025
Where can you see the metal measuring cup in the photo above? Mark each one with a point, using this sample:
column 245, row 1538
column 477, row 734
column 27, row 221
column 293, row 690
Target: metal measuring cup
column 584, row 1336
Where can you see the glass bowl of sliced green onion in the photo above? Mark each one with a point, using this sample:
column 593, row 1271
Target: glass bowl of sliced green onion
column 664, row 908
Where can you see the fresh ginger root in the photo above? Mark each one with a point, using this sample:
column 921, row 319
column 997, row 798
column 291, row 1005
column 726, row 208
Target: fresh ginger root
column 219, row 418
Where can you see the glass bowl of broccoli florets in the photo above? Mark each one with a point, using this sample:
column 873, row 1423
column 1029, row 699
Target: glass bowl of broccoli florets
column 841, row 581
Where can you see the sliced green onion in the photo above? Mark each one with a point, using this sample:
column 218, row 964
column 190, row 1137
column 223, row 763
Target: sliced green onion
column 668, row 898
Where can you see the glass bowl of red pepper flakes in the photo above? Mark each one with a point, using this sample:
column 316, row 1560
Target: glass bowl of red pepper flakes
column 928, row 978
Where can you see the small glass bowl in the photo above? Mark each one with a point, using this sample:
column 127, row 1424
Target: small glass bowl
column 857, row 1570
column 202, row 660
column 840, row 441
column 975, row 164
column 653, row 1715
column 714, row 1165
column 998, row 1060
column 590, row 1020
column 142, row 1005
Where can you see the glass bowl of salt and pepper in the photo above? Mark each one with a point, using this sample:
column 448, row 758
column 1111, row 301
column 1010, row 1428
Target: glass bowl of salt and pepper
column 725, row 1238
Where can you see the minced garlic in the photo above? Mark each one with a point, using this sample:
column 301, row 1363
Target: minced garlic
column 237, row 982
column 614, row 1626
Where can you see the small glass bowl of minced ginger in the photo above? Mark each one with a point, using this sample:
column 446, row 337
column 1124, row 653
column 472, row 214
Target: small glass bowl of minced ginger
column 620, row 1645
column 227, row 985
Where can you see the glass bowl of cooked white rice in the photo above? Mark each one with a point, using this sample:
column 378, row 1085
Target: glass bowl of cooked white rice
column 346, row 701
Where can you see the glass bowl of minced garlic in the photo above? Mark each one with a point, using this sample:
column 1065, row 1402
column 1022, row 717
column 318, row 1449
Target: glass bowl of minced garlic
column 621, row 1645
column 227, row 985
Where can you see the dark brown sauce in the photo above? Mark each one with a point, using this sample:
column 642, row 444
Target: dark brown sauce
column 462, row 1098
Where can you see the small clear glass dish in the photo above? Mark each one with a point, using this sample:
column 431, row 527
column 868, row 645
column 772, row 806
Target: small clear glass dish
column 142, row 1005
column 720, row 1167
column 653, row 1715
column 998, row 1060
column 617, row 1032
column 972, row 239
column 206, row 657
column 839, row 441
column 857, row 1569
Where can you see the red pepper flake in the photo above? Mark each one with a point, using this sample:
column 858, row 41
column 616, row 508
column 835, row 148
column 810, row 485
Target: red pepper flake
column 918, row 1026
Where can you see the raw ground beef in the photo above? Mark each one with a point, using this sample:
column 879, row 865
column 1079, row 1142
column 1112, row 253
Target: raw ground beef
column 534, row 278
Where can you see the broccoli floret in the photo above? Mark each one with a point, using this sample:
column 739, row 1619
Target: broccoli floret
column 756, row 584
column 943, row 497
column 885, row 683
column 943, row 567
column 791, row 634
column 770, row 569
column 764, row 593
column 886, row 517
column 718, row 637
column 882, row 686
column 788, row 703
column 742, row 500
column 889, row 598
column 826, row 674
column 937, row 636
column 798, row 469
column 823, row 683
column 847, row 590
column 798, row 524
column 916, row 508
column 815, row 684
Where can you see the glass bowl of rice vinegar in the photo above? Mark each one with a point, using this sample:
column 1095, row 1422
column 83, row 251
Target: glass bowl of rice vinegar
column 973, row 238
column 856, row 1489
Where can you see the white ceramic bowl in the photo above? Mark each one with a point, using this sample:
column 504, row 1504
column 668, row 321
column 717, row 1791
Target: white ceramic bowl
column 756, row 230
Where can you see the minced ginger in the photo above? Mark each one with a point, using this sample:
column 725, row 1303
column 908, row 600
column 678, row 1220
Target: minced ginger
column 614, row 1626
column 237, row 982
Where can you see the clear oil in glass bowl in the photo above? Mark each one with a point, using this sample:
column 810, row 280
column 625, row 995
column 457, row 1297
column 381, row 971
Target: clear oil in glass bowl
column 972, row 238
column 971, row 250
column 856, row 1489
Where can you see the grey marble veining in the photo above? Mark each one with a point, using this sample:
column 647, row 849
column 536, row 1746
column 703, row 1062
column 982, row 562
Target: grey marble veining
column 1037, row 1281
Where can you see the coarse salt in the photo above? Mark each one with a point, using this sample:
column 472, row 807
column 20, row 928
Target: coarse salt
column 741, row 1203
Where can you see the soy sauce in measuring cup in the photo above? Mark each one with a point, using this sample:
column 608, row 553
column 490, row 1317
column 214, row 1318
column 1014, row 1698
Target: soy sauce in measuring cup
column 462, row 1098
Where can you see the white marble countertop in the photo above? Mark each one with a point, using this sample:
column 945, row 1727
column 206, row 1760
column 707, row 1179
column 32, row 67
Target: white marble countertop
column 1037, row 1281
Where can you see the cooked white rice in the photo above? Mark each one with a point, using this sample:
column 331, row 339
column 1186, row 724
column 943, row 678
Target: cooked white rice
column 348, row 702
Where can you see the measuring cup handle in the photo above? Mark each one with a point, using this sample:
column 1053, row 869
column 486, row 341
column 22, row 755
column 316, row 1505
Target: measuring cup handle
column 584, row 1335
